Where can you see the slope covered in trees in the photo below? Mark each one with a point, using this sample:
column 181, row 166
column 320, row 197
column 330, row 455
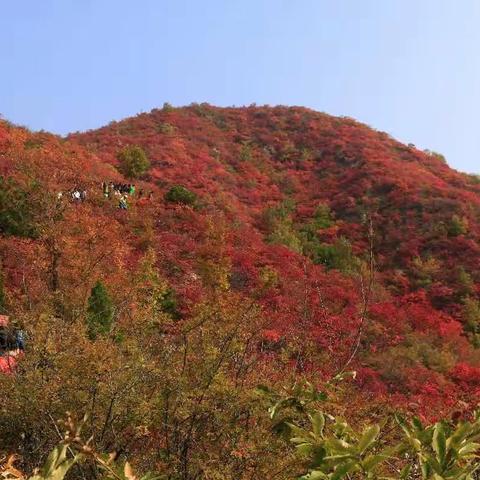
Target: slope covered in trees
column 276, row 244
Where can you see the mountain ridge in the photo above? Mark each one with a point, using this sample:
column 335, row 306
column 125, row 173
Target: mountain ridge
column 284, row 193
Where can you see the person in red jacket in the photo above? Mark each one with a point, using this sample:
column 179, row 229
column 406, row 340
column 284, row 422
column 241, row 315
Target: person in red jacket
column 12, row 345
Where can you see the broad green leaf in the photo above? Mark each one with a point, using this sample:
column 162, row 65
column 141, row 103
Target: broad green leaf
column 368, row 439
column 304, row 449
column 62, row 470
column 314, row 475
column 459, row 435
column 426, row 469
column 468, row 449
column 318, row 423
column 57, row 454
column 339, row 458
column 439, row 443
column 373, row 460
column 342, row 470
column 405, row 472
column 300, row 440
column 417, row 424
column 434, row 464
column 340, row 446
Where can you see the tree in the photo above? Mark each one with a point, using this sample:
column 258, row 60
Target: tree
column 180, row 194
column 18, row 206
column 457, row 226
column 99, row 311
column 133, row 162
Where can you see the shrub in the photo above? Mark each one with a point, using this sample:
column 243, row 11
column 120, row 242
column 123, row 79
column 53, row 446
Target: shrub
column 166, row 128
column 169, row 304
column 133, row 162
column 338, row 256
column 18, row 208
column 278, row 220
column 457, row 226
column 180, row 194
column 167, row 107
column 99, row 311
column 246, row 152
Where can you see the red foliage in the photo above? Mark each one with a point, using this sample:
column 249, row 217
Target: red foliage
column 239, row 162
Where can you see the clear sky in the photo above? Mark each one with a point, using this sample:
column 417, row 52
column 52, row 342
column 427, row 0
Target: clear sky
column 408, row 67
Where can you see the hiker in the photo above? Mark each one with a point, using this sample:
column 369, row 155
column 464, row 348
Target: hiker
column 7, row 341
column 122, row 204
column 83, row 195
column 3, row 339
column 106, row 192
column 132, row 190
column 150, row 195
column 76, row 196
column 20, row 340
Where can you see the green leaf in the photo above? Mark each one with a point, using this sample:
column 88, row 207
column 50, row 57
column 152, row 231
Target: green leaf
column 342, row 470
column 62, row 469
column 314, row 475
column 373, row 460
column 335, row 445
column 405, row 472
column 459, row 435
column 300, row 440
column 318, row 423
column 426, row 469
column 51, row 461
column 334, row 460
column 368, row 439
column 468, row 449
column 305, row 449
column 439, row 443
column 417, row 424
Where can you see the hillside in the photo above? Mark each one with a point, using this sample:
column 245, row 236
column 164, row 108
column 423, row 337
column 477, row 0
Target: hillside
column 314, row 245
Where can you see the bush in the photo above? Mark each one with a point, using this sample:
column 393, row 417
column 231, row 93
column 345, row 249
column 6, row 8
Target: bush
column 279, row 222
column 338, row 256
column 457, row 226
column 133, row 162
column 180, row 194
column 18, row 208
column 166, row 128
column 169, row 304
column 99, row 311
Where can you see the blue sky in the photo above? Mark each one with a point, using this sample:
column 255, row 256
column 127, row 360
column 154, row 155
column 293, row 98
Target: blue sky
column 408, row 67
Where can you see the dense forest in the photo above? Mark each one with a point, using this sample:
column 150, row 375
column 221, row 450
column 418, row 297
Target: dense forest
column 282, row 294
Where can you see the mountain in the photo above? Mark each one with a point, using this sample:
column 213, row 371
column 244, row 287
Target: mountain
column 337, row 247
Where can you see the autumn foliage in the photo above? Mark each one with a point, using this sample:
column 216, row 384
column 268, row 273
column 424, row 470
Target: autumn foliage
column 278, row 243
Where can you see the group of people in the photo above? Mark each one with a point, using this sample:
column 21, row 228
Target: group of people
column 77, row 195
column 118, row 189
column 122, row 191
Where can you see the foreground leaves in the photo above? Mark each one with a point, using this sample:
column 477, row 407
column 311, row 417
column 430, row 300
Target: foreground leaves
column 332, row 450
